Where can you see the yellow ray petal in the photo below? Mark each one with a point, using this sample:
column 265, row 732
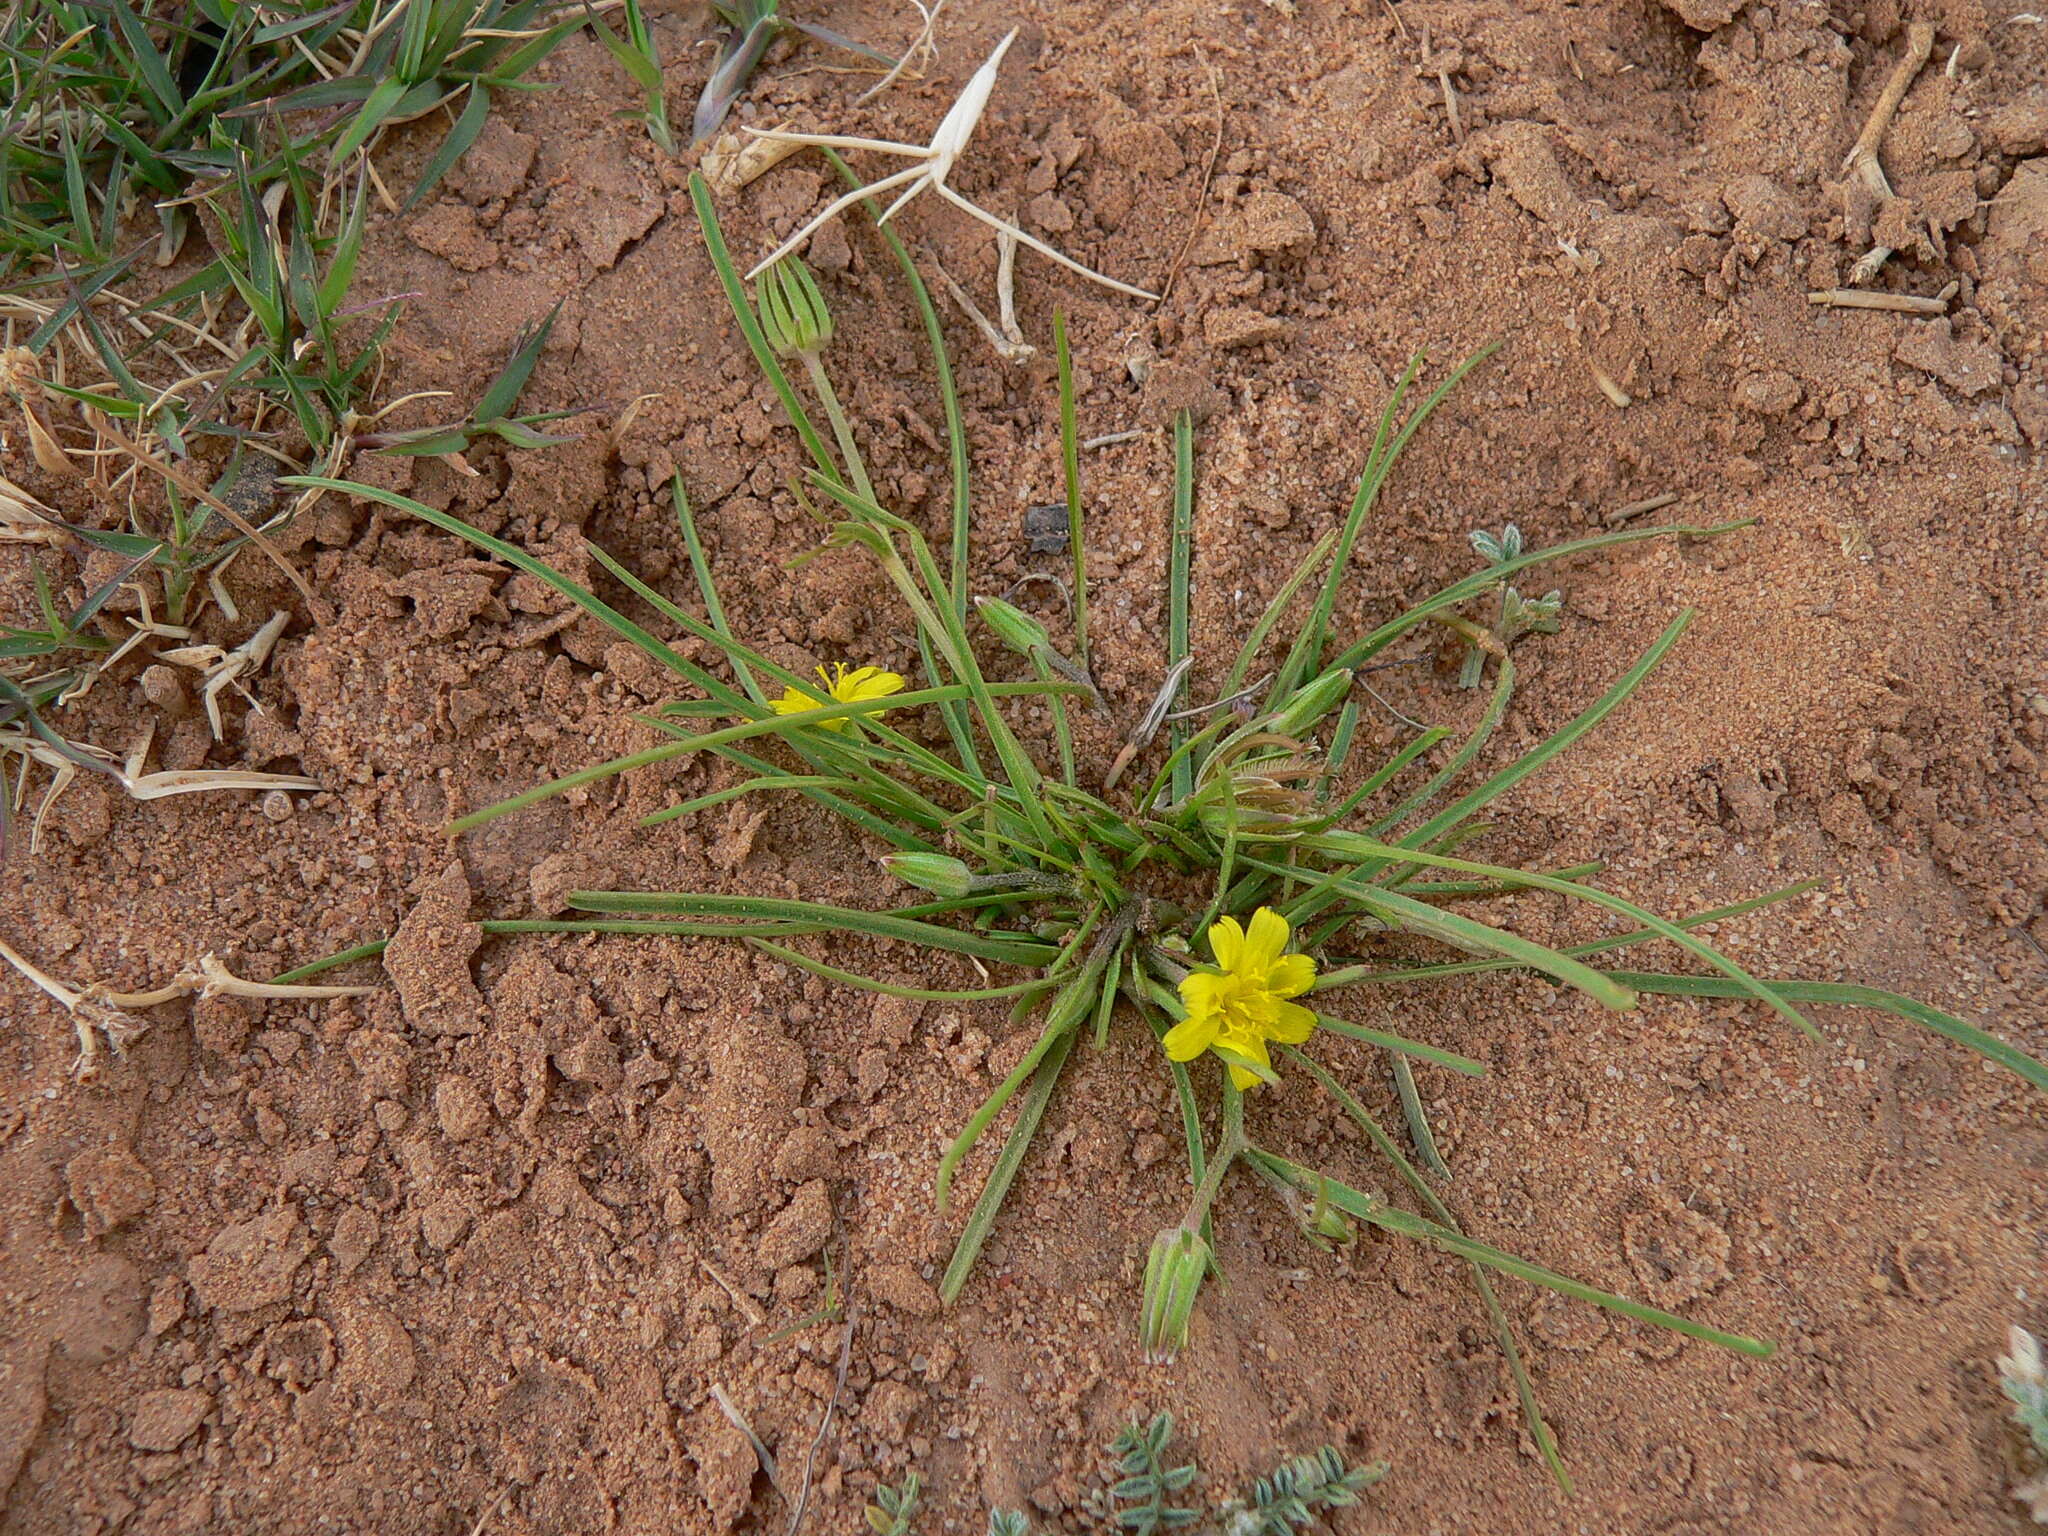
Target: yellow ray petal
column 1262, row 946
column 1191, row 1036
column 1226, row 943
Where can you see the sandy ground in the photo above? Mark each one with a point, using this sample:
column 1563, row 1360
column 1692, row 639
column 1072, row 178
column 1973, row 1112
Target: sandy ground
column 480, row 1244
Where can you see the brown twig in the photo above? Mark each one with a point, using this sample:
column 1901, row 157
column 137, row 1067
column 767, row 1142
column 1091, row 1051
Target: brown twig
column 1443, row 80
column 740, row 1299
column 1208, row 174
column 1638, row 508
column 1860, row 166
column 1904, row 303
column 803, row 1497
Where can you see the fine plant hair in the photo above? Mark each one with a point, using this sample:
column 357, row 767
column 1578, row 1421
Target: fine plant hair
column 1010, row 861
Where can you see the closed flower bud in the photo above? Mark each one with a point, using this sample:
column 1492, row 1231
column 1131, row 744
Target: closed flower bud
column 1173, row 1276
column 1314, row 700
column 1012, row 625
column 793, row 313
column 938, row 873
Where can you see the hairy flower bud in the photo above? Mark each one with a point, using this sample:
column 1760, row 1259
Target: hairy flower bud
column 938, row 873
column 1311, row 702
column 1173, row 1276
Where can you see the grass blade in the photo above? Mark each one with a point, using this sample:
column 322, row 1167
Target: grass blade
column 1070, row 466
column 1369, row 1208
column 986, row 1208
column 1990, row 1047
column 1181, row 554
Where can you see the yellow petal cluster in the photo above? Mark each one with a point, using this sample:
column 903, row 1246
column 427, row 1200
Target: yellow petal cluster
column 1242, row 1004
column 843, row 685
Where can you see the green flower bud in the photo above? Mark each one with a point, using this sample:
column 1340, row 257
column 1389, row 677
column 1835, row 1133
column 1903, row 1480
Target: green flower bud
column 793, row 313
column 1012, row 625
column 1310, row 703
column 938, row 873
column 1173, row 1276
column 1324, row 1223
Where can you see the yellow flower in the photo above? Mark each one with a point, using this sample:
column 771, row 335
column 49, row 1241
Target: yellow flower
column 844, row 687
column 1243, row 1004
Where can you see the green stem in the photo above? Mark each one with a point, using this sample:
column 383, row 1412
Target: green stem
column 1070, row 462
column 842, row 429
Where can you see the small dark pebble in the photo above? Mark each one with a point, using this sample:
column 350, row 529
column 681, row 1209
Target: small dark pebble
column 1046, row 528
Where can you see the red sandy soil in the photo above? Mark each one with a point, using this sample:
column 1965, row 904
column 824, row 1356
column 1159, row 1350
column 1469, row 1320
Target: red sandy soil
column 478, row 1245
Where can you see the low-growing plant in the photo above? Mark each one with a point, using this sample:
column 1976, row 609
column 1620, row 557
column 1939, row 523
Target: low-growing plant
column 638, row 57
column 1144, row 1492
column 1214, row 901
column 2023, row 1377
column 894, row 1507
column 106, row 104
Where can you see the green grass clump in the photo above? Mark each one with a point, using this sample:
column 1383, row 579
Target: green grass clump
column 1096, row 900
column 108, row 107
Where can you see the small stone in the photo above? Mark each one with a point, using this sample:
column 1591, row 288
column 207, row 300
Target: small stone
column 887, row 1411
column 459, row 1106
column 443, row 1223
column 808, row 1152
column 1273, row 221
column 1045, row 528
column 1846, row 818
column 726, row 1465
column 1236, row 326
column 800, row 1230
column 250, row 1264
column 2019, row 127
column 1763, row 209
column 902, row 1288
column 1968, row 367
column 1050, row 214
column 166, row 1305
column 428, row 959
column 1704, row 15
column 355, row 1235
column 496, row 165
column 164, row 1420
column 1770, row 392
column 594, row 1060
column 555, row 876
column 278, row 806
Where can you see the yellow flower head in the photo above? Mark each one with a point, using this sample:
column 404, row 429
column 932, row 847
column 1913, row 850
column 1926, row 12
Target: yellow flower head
column 1243, row 1003
column 843, row 687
